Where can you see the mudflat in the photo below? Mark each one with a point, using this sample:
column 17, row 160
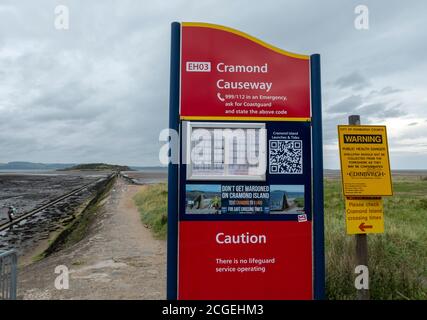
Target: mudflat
column 29, row 190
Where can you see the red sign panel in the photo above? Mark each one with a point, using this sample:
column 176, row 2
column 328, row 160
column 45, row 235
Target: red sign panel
column 245, row 260
column 229, row 74
column 251, row 239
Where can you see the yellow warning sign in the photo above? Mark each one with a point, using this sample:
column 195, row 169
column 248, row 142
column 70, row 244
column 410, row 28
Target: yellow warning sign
column 364, row 215
column 365, row 165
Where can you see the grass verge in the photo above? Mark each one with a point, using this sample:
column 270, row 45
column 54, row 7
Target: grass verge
column 397, row 258
column 152, row 205
column 78, row 229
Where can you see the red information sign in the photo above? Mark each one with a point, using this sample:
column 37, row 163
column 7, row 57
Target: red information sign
column 245, row 260
column 226, row 73
column 242, row 233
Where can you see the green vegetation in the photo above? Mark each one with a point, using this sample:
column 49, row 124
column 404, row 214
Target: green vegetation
column 79, row 228
column 98, row 167
column 299, row 202
column 152, row 205
column 397, row 258
column 216, row 202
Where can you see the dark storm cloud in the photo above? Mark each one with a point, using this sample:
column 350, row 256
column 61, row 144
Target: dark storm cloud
column 381, row 110
column 346, row 105
column 385, row 91
column 330, row 123
column 354, row 81
column 391, row 112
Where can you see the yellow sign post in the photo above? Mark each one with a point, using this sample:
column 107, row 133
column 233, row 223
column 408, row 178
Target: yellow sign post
column 366, row 176
column 364, row 158
column 364, row 215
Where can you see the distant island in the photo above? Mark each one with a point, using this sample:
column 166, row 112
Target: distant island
column 97, row 167
column 25, row 165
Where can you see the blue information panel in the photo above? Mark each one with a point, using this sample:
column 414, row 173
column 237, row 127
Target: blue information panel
column 283, row 194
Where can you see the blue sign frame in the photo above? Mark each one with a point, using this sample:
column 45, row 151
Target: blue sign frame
column 303, row 129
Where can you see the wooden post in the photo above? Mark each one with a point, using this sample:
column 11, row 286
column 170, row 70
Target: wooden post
column 361, row 239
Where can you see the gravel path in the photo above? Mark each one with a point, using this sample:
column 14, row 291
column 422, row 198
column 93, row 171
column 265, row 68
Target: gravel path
column 119, row 259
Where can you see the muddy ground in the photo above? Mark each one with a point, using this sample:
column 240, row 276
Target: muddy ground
column 27, row 191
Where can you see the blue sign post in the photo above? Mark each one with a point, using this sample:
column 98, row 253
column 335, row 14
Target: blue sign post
column 172, row 235
column 318, row 196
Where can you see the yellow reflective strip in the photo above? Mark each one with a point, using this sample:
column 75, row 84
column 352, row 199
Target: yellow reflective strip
column 247, row 36
column 243, row 118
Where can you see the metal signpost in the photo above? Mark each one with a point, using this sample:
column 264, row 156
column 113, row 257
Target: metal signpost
column 245, row 206
column 8, row 274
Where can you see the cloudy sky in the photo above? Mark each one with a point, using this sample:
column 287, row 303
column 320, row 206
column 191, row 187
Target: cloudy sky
column 99, row 90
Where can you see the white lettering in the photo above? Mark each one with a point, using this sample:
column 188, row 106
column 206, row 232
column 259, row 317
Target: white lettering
column 244, row 238
column 222, row 67
column 244, row 85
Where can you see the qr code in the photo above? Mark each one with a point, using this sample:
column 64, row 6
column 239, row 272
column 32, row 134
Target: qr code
column 285, row 157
